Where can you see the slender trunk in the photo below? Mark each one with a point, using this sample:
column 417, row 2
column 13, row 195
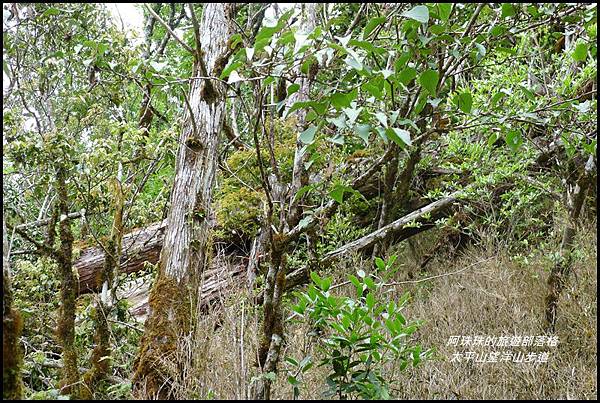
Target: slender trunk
column 561, row 270
column 100, row 370
column 70, row 383
column 272, row 333
column 387, row 201
column 12, row 324
column 187, row 242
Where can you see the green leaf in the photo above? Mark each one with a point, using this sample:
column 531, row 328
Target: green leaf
column 292, row 89
column 352, row 62
column 370, row 283
column 249, row 53
column 580, row 52
column 444, row 10
column 352, row 114
column 234, row 77
column 514, row 139
column 399, row 136
column 337, row 193
column 464, row 101
column 508, row 10
column 315, row 278
column 370, row 300
column 363, row 131
column 308, row 135
column 231, row 67
column 303, row 190
column 51, row 11
column 382, row 118
column 372, row 24
column 496, row 98
column 402, row 60
column 429, row 81
column 418, row 13
column 340, row 100
column 407, row 75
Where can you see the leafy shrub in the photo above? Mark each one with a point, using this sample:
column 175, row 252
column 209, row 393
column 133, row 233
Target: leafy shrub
column 359, row 335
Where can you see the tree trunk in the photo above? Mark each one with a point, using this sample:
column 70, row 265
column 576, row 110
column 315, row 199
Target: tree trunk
column 12, row 324
column 560, row 271
column 272, row 334
column 68, row 292
column 100, row 370
column 187, row 243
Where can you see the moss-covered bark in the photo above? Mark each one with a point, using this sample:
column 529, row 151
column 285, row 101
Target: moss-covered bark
column 69, row 383
column 187, row 242
column 12, row 324
column 169, row 318
column 101, row 353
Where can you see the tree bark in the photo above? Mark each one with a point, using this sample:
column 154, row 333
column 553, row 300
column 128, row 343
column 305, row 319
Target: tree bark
column 187, row 243
column 68, row 292
column 561, row 270
column 272, row 334
column 12, row 324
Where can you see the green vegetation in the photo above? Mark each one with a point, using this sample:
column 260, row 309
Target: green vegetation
column 265, row 201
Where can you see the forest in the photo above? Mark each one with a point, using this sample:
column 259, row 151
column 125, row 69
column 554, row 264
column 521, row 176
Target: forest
column 299, row 201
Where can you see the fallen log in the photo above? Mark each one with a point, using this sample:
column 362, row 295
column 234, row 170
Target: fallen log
column 138, row 247
column 216, row 284
column 403, row 228
column 217, row 280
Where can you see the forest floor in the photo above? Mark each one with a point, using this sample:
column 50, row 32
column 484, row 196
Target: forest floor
column 494, row 293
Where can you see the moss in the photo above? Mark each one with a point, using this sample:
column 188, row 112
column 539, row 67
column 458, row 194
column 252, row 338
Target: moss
column 238, row 214
column 12, row 356
column 169, row 318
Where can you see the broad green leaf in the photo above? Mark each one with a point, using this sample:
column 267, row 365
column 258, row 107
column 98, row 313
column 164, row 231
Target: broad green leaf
column 372, row 24
column 382, row 118
column 363, row 131
column 51, row 11
column 496, row 98
column 399, row 136
column 429, row 80
column 292, row 89
column 580, row 52
column 337, row 193
column 340, row 100
column 234, row 77
column 464, row 101
column 352, row 62
column 508, row 10
column 444, row 10
column 352, row 114
column 402, row 60
column 303, row 190
column 418, row 13
column 249, row 53
column 407, row 75
column 231, row 67
column 308, row 135
column 514, row 139
column 315, row 278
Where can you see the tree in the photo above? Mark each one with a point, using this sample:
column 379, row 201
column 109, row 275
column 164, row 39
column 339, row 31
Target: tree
column 187, row 246
column 12, row 324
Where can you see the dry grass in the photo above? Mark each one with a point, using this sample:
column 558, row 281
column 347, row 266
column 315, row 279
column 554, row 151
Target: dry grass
column 495, row 296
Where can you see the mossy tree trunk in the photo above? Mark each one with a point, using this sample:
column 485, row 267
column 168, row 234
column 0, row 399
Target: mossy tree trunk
column 187, row 241
column 12, row 324
column 70, row 382
column 101, row 353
